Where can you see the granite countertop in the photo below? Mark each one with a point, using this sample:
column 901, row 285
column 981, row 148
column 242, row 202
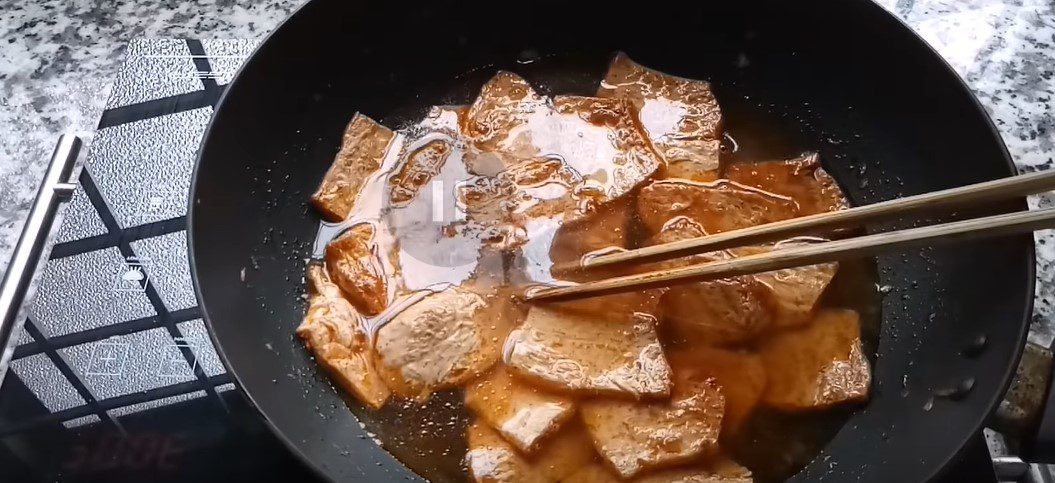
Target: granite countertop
column 58, row 60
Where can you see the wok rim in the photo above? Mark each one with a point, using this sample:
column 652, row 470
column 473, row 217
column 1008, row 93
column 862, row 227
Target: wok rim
column 276, row 431
column 316, row 468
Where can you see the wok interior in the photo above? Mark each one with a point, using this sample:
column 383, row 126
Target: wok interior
column 887, row 118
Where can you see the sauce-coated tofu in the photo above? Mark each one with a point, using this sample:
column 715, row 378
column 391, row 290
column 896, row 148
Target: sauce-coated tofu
column 817, row 366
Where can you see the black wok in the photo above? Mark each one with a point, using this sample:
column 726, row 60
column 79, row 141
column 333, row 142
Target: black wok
column 889, row 117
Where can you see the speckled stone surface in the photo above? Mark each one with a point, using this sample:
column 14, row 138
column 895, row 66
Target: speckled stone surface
column 1005, row 50
column 59, row 59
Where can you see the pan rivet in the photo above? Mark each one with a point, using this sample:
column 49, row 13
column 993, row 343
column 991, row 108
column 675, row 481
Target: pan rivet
column 962, row 389
column 976, row 347
column 957, row 392
column 528, row 56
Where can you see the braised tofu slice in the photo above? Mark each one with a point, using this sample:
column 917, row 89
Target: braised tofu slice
column 435, row 243
column 792, row 293
column 538, row 187
column 680, row 116
column 603, row 230
column 716, row 206
column 500, row 119
column 740, row 375
column 715, row 312
column 419, row 167
column 561, row 161
column 353, row 264
column 355, row 372
column 675, row 229
column 795, row 291
column 698, row 475
column 802, row 179
column 623, row 308
column 363, row 148
column 447, row 120
column 635, row 436
column 818, row 366
column 599, row 139
column 594, row 473
column 520, row 412
column 729, row 471
column 333, row 331
column 589, row 354
column 491, row 459
column 441, row 341
column 426, row 149
column 722, row 471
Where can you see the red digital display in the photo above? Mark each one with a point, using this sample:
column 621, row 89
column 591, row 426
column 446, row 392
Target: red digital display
column 138, row 451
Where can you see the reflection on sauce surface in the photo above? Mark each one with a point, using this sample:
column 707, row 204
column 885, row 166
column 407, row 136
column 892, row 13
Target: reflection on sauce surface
column 416, row 311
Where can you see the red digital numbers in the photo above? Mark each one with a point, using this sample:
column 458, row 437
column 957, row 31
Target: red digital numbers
column 140, row 451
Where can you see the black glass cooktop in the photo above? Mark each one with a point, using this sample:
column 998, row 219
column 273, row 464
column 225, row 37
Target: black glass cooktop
column 114, row 377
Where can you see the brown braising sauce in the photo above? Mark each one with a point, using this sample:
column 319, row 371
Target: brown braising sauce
column 414, row 309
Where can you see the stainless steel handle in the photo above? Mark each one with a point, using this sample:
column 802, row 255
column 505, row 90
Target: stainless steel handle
column 55, row 188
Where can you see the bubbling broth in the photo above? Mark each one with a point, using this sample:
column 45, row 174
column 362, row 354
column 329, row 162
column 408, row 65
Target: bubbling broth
column 433, row 232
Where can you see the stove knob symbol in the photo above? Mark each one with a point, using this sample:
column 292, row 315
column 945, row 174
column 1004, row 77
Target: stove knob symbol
column 132, row 277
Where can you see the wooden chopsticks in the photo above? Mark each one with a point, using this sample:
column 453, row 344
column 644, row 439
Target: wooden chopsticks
column 822, row 252
column 1003, row 188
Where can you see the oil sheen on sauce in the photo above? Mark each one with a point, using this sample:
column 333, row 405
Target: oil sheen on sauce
column 441, row 210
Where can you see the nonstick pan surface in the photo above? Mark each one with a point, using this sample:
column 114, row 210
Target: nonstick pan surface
column 888, row 116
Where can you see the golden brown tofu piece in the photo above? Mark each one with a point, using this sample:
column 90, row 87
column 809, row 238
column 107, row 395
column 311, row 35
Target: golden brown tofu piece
column 681, row 116
column 506, row 105
column 602, row 230
column 332, row 330
column 531, row 188
column 635, row 436
column 553, row 255
column 729, row 471
column 446, row 120
column 420, row 166
column 594, row 473
column 717, row 206
column 589, row 354
column 625, row 307
column 441, row 341
column 817, row 366
column 802, row 179
column 355, row 372
column 522, row 413
column 529, row 202
column 354, row 266
column 741, row 376
column 599, row 139
column 697, row 475
column 491, row 459
column 722, row 471
column 426, row 148
column 363, row 148
column 792, row 293
column 715, row 312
